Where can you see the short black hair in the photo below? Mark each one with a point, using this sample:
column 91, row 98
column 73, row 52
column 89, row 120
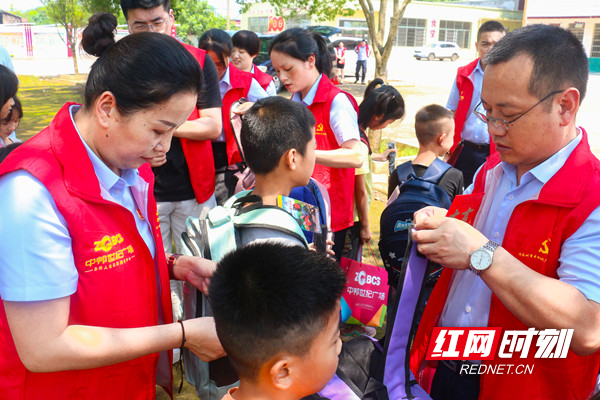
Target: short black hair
column 247, row 40
column 380, row 99
column 559, row 59
column 219, row 41
column 269, row 298
column 300, row 44
column 272, row 126
column 140, row 70
column 490, row 26
column 127, row 5
column 9, row 84
column 429, row 122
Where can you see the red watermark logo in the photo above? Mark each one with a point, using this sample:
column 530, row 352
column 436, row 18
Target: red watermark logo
column 465, row 344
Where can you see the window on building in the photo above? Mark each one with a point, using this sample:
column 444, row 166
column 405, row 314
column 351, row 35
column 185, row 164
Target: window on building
column 576, row 28
column 258, row 24
column 300, row 21
column 411, row 32
column 596, row 42
column 353, row 28
column 458, row 32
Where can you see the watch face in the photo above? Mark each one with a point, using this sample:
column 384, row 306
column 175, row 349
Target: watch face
column 481, row 259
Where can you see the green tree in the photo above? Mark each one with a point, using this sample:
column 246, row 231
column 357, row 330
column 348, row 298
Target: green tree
column 72, row 15
column 382, row 46
column 193, row 17
column 319, row 10
column 323, row 10
column 36, row 16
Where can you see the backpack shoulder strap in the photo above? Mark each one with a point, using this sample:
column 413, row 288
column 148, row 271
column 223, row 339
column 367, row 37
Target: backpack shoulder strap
column 272, row 218
column 436, row 171
column 404, row 170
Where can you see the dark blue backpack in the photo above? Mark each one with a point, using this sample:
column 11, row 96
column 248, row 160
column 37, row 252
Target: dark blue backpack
column 397, row 218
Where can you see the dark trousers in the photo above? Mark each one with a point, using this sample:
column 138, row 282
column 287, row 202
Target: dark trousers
column 339, row 238
column 448, row 385
column 471, row 157
column 361, row 64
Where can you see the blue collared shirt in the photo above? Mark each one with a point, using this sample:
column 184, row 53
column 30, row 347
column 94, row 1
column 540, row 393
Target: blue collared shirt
column 474, row 129
column 343, row 118
column 37, row 259
column 469, row 297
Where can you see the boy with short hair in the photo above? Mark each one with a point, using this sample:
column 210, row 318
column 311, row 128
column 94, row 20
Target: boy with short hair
column 434, row 128
column 278, row 138
column 276, row 311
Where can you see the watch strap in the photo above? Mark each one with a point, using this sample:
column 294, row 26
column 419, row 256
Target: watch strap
column 171, row 261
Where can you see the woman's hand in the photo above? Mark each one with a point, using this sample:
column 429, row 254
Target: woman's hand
column 201, row 338
column 195, row 270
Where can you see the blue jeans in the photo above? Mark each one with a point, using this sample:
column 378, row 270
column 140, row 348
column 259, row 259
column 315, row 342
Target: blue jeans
column 361, row 64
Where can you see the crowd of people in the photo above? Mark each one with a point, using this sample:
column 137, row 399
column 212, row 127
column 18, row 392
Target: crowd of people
column 94, row 207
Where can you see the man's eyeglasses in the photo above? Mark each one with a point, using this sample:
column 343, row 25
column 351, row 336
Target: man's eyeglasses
column 502, row 124
column 158, row 25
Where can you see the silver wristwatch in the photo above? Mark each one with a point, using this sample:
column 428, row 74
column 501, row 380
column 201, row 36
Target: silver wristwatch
column 482, row 258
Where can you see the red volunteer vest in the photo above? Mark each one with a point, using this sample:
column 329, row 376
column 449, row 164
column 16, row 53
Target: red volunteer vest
column 465, row 90
column 240, row 82
column 263, row 79
column 117, row 284
column 338, row 181
column 534, row 235
column 198, row 153
column 340, row 53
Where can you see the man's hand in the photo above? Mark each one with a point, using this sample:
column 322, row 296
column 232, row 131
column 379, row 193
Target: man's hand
column 446, row 241
column 195, row 270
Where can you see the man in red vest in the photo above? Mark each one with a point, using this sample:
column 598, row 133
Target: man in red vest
column 185, row 178
column 523, row 251
column 471, row 139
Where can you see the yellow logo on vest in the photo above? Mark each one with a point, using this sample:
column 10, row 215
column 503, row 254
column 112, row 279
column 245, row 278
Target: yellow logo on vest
column 544, row 249
column 542, row 252
column 320, row 129
column 116, row 257
column 108, row 242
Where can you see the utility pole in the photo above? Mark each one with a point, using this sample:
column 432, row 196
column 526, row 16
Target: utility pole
column 228, row 20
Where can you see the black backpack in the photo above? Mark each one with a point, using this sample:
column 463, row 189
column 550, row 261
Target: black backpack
column 397, row 218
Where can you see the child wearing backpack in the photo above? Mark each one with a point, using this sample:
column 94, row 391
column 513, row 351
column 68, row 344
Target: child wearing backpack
column 278, row 138
column 276, row 311
column 382, row 105
column 426, row 180
column 434, row 127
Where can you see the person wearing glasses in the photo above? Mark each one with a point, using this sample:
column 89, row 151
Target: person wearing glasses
column 523, row 249
column 471, row 139
column 185, row 176
column 84, row 281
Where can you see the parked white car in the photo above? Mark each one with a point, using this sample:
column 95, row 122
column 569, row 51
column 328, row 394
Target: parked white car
column 439, row 50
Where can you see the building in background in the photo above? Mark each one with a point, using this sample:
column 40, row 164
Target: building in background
column 582, row 17
column 422, row 23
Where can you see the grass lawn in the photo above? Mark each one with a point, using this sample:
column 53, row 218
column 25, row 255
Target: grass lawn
column 43, row 97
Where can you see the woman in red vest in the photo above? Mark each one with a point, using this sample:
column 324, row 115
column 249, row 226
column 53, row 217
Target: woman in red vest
column 234, row 85
column 246, row 46
column 303, row 63
column 84, row 279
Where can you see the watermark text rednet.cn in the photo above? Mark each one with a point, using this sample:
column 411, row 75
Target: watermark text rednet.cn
column 487, row 344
